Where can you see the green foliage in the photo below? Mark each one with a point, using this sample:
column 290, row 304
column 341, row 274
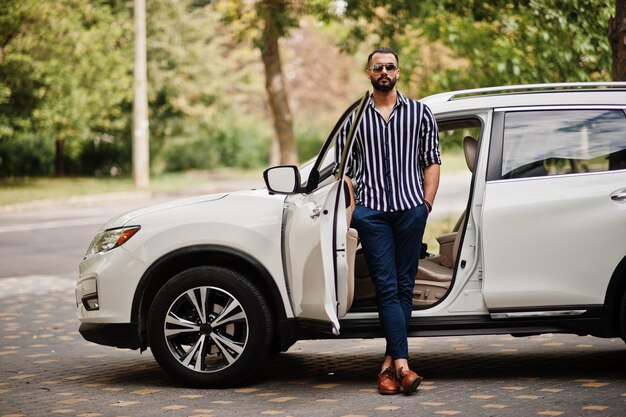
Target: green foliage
column 528, row 42
column 103, row 156
column 28, row 155
column 476, row 43
column 66, row 70
column 384, row 19
column 246, row 18
column 310, row 141
column 215, row 148
column 65, row 73
column 204, row 92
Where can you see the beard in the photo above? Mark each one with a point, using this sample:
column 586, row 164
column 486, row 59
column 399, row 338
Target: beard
column 384, row 87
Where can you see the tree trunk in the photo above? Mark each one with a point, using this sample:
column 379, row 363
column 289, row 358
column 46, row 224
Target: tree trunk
column 59, row 166
column 275, row 82
column 617, row 39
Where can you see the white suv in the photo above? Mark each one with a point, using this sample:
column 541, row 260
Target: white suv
column 213, row 284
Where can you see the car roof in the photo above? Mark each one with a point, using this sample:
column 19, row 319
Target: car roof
column 556, row 94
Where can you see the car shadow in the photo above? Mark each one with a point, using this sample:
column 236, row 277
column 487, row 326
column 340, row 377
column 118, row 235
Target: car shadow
column 450, row 366
column 359, row 368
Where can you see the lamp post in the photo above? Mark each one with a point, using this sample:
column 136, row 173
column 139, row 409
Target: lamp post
column 141, row 149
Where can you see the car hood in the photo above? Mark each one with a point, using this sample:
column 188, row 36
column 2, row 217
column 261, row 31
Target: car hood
column 129, row 217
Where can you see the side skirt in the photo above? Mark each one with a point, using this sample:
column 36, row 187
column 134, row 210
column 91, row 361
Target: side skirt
column 597, row 321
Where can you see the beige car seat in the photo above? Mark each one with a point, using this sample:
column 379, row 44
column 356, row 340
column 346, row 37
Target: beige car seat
column 434, row 274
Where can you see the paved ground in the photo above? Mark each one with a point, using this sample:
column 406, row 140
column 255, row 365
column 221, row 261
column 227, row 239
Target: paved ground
column 47, row 369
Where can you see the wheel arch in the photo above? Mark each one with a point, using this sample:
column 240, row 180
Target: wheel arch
column 164, row 268
column 614, row 293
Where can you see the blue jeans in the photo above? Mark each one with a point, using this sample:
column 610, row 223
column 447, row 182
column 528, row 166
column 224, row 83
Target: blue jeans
column 391, row 244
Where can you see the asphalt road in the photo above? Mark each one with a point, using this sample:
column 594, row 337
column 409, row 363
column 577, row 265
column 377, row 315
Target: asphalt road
column 51, row 239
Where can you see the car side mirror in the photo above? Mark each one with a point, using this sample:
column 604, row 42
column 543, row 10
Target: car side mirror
column 282, row 179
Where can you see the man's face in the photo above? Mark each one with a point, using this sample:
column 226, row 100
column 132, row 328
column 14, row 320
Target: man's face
column 383, row 71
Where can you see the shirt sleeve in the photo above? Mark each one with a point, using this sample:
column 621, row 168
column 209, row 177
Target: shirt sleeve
column 429, row 139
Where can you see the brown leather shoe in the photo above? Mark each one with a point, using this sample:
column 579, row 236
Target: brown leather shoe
column 409, row 381
column 387, row 382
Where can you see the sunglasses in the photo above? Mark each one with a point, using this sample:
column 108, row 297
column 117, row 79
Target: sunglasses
column 378, row 68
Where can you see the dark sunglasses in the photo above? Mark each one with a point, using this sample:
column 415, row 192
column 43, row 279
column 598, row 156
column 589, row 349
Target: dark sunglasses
column 378, row 68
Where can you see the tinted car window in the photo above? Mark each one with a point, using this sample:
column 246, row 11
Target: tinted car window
column 557, row 142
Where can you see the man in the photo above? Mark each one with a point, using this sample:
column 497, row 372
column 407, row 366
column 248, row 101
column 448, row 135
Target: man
column 394, row 166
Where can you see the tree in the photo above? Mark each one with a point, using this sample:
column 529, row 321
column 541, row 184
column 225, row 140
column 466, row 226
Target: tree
column 17, row 81
column 266, row 22
column 64, row 73
column 219, row 69
column 476, row 43
column 276, row 21
column 205, row 91
column 617, row 39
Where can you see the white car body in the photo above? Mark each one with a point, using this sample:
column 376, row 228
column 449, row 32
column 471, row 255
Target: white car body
column 182, row 224
column 542, row 246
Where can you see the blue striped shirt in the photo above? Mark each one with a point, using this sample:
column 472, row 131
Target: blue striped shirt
column 388, row 158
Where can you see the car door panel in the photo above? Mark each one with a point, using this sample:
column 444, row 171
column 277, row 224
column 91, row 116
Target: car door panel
column 315, row 239
column 579, row 248
column 312, row 222
column 553, row 234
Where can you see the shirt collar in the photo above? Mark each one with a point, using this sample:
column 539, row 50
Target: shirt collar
column 400, row 100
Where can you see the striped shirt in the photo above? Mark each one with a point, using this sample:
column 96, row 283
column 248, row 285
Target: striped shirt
column 388, row 158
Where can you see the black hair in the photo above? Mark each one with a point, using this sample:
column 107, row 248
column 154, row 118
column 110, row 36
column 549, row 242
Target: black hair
column 383, row 50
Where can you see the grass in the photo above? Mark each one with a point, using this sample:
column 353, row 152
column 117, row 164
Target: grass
column 21, row 190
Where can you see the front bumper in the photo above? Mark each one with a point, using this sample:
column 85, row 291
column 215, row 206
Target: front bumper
column 106, row 285
column 121, row 335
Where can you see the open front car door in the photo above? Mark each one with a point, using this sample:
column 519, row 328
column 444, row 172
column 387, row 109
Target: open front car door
column 318, row 246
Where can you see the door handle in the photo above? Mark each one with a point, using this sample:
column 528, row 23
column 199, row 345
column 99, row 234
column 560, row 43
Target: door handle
column 315, row 213
column 619, row 195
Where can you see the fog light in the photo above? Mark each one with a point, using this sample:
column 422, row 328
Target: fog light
column 90, row 301
column 87, row 294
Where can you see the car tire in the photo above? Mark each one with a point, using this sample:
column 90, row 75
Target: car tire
column 210, row 327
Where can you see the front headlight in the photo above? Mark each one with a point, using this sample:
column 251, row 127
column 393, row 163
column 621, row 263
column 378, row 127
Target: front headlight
column 110, row 239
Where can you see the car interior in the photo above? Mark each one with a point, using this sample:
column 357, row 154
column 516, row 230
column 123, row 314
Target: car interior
column 435, row 271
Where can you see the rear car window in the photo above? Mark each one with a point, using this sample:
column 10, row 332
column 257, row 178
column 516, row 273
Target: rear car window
column 561, row 142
